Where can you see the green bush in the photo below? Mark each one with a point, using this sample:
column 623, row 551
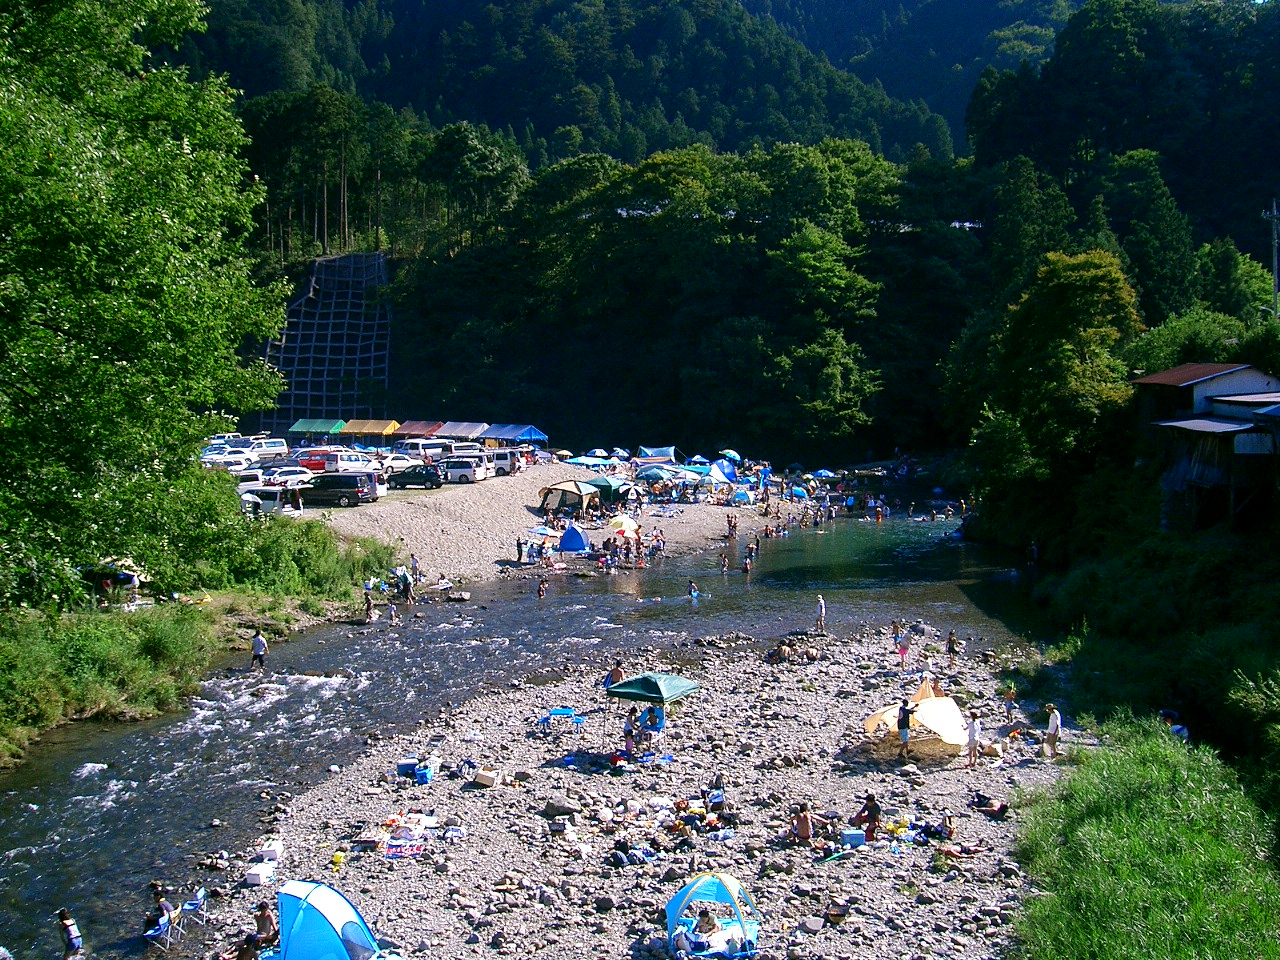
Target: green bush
column 1148, row 849
column 79, row 665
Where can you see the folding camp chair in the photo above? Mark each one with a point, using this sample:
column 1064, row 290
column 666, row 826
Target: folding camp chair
column 197, row 908
column 166, row 932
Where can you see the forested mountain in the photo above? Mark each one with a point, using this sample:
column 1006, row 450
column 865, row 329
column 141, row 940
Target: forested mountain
column 927, row 51
column 624, row 77
column 1194, row 83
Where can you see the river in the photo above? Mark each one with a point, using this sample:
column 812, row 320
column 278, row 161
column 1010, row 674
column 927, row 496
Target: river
column 99, row 810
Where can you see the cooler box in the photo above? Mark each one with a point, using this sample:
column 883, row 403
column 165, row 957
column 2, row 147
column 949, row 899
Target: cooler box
column 406, row 766
column 271, row 850
column 853, row 838
column 260, row 873
column 424, row 774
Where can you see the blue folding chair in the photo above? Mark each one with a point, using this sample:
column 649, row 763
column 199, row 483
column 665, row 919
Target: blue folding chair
column 197, row 908
column 166, row 932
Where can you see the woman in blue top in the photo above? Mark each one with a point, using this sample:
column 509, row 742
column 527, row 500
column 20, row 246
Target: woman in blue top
column 72, row 941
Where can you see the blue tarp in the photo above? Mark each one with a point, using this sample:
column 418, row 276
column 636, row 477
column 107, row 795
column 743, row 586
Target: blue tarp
column 658, row 453
column 589, row 461
column 319, row 923
column 574, row 540
column 514, row 433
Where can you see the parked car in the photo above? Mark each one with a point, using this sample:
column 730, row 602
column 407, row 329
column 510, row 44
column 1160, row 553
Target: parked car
column 424, row 475
column 457, row 470
column 340, row 489
column 235, row 462
column 348, row 461
column 287, row 476
column 395, row 462
column 313, row 457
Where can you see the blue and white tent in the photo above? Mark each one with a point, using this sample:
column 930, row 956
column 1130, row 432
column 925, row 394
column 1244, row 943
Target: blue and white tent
column 574, row 540
column 319, row 923
column 738, row 937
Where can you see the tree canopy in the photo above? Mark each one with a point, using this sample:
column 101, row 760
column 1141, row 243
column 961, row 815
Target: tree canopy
column 125, row 292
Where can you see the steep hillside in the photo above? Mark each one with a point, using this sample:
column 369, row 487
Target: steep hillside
column 929, row 51
column 564, row 77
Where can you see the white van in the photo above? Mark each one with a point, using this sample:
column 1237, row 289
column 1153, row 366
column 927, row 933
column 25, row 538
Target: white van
column 423, row 449
column 349, row 461
column 464, row 469
column 504, row 461
column 467, row 446
column 269, row 448
column 260, row 501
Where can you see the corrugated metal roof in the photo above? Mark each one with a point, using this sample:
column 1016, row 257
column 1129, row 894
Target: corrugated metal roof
column 1191, row 373
column 1249, row 399
column 1207, row 425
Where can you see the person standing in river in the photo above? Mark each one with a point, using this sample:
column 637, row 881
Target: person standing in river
column 72, row 941
column 822, row 615
column 259, row 642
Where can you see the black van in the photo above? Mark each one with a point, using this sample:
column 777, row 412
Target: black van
column 340, row 489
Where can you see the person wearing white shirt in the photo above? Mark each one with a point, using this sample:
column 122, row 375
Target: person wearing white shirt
column 1054, row 729
column 975, row 737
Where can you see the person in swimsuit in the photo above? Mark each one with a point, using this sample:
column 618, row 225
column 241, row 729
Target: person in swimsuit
column 72, row 941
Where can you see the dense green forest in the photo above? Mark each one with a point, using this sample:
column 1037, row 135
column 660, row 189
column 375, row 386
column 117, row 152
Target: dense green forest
column 564, row 78
column 930, row 51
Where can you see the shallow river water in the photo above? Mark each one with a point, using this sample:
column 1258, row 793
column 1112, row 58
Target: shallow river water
column 100, row 810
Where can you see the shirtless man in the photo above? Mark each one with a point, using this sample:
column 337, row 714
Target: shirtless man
column 267, row 929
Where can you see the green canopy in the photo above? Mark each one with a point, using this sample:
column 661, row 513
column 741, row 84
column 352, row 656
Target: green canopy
column 317, row 425
column 611, row 488
column 661, row 688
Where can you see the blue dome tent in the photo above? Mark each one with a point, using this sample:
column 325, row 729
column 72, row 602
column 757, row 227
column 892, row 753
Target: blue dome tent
column 319, row 923
column 574, row 540
column 738, row 937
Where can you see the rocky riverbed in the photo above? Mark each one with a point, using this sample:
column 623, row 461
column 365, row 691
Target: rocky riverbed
column 538, row 873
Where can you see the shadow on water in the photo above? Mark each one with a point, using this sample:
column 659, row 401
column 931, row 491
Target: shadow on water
column 100, row 810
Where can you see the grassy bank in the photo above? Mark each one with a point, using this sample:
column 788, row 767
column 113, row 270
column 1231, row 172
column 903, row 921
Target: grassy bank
column 111, row 664
column 1149, row 849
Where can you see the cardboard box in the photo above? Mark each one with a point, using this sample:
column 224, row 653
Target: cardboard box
column 488, row 777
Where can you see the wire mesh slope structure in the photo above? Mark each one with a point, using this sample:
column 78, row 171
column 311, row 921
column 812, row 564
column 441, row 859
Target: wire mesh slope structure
column 335, row 350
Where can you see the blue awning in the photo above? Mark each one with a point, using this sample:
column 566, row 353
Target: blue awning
column 514, row 433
